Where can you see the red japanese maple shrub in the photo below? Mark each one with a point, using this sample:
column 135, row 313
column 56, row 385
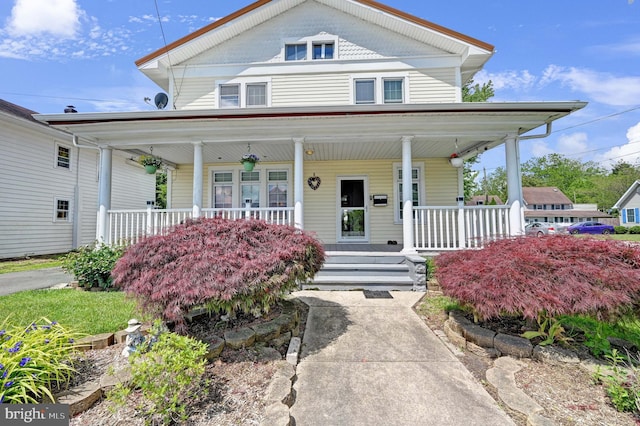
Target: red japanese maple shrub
column 552, row 276
column 226, row 265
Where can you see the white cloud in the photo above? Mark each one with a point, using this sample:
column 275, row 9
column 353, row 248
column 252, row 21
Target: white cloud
column 60, row 18
column 510, row 79
column 601, row 87
column 568, row 145
column 630, row 152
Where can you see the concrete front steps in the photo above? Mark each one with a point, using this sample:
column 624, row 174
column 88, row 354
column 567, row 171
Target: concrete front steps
column 365, row 270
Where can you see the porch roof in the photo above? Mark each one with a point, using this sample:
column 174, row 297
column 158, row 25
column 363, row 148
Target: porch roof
column 349, row 132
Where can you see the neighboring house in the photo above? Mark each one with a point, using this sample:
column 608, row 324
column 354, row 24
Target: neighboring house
column 354, row 108
column 629, row 206
column 549, row 204
column 483, row 200
column 49, row 187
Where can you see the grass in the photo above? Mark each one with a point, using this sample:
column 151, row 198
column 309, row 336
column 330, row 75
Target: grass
column 31, row 264
column 83, row 311
column 625, row 237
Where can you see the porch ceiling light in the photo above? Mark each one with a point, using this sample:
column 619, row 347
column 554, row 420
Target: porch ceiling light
column 309, row 151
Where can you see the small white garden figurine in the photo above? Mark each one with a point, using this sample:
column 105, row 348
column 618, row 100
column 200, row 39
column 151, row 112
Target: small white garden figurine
column 134, row 337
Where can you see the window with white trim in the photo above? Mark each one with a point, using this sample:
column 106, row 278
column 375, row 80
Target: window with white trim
column 61, row 210
column 223, row 190
column 365, row 91
column 295, row 52
column 63, row 156
column 379, row 90
column 250, row 188
column 631, row 216
column 393, row 90
column 277, row 188
column 416, row 190
column 229, row 96
column 323, row 50
column 256, row 94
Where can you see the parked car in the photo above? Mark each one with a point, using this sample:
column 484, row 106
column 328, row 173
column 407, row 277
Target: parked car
column 590, row 228
column 539, row 229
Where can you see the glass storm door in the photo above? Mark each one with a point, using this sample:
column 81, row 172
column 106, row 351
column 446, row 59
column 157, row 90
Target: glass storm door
column 353, row 211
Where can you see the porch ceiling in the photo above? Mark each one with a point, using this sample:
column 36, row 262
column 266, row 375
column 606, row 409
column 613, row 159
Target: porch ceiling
column 345, row 133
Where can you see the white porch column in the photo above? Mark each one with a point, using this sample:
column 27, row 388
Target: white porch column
column 104, row 195
column 298, row 184
column 514, row 185
column 407, row 197
column 198, row 166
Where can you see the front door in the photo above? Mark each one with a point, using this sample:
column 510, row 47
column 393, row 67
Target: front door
column 353, row 209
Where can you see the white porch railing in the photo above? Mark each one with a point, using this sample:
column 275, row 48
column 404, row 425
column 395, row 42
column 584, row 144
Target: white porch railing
column 129, row 226
column 454, row 228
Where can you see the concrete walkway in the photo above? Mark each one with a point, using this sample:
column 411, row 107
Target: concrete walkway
column 374, row 362
column 32, row 280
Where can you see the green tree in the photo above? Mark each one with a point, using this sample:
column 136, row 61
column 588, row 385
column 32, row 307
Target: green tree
column 474, row 92
column 161, row 190
column 495, row 184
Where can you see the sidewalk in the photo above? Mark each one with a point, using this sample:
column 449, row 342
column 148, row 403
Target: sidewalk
column 374, row 362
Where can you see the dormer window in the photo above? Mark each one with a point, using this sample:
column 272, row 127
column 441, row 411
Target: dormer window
column 295, row 52
column 323, row 50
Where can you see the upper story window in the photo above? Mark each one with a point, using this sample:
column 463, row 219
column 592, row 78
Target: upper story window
column 365, row 91
column 229, row 95
column 295, row 52
column 257, row 94
column 323, row 50
column 393, row 90
column 243, row 94
column 63, row 157
column 378, row 90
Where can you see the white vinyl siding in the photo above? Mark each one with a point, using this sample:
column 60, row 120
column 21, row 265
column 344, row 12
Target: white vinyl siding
column 437, row 85
column 310, row 89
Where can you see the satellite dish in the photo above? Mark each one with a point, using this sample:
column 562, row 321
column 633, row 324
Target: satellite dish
column 161, row 100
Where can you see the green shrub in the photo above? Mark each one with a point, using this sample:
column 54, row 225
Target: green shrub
column 623, row 382
column 169, row 376
column 634, row 230
column 92, row 266
column 621, row 229
column 32, row 359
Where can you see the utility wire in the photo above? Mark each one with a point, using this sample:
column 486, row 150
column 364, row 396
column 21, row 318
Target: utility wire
column 164, row 40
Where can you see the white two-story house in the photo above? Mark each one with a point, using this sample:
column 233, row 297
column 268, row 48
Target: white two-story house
column 354, row 109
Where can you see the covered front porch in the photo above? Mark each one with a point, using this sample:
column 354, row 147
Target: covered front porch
column 385, row 169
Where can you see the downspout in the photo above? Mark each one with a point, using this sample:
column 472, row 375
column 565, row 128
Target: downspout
column 75, row 236
column 548, row 132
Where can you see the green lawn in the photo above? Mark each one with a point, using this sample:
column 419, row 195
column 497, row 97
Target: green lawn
column 625, row 237
column 40, row 262
column 83, row 311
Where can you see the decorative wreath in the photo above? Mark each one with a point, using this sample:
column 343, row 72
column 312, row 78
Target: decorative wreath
column 314, row 182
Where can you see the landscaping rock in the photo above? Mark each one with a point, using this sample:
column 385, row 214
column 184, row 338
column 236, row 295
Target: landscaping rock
column 484, row 352
column 101, row 341
column 80, row 398
column 457, row 320
column 267, row 331
column 109, row 380
column 294, row 350
column 478, row 335
column 513, row 345
column 454, row 337
column 281, row 340
column 266, row 353
column 84, row 344
column 287, row 322
column 622, row 345
column 239, row 339
column 214, row 349
column 279, row 390
column 277, row 415
column 555, row 355
column 120, row 337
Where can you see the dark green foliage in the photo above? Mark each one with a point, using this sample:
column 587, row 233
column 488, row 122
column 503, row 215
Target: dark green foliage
column 634, row 230
column 245, row 265
column 621, row 229
column 92, row 266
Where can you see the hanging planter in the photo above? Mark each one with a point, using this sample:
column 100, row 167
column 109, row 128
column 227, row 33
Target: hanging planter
column 151, row 163
column 249, row 161
column 456, row 161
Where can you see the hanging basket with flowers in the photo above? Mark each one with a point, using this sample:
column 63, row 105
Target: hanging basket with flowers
column 151, row 163
column 455, row 160
column 249, row 161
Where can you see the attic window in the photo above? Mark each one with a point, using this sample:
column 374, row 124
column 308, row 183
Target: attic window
column 63, row 157
column 229, row 96
column 323, row 50
column 295, row 52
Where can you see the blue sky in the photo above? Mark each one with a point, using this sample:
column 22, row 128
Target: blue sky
column 55, row 53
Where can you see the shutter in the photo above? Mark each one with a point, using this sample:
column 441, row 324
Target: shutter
column 624, row 215
column 637, row 218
